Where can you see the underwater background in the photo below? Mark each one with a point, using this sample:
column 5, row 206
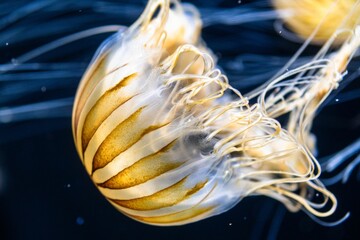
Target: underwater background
column 45, row 192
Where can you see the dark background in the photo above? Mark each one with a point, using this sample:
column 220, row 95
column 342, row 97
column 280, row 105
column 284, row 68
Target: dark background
column 45, row 192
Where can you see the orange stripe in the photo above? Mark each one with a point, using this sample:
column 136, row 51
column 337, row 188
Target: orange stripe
column 165, row 198
column 126, row 134
column 104, row 106
column 95, row 75
column 185, row 216
column 143, row 170
column 175, row 217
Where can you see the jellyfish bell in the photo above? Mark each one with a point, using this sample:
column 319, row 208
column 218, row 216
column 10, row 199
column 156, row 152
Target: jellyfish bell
column 146, row 34
column 168, row 141
column 322, row 19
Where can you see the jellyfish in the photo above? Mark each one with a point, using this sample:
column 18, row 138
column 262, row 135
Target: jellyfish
column 168, row 141
column 326, row 17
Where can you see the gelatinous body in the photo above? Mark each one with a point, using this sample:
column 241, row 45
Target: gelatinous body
column 325, row 16
column 168, row 141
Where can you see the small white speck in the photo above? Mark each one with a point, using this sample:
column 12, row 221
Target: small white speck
column 43, row 89
column 239, row 1
column 336, row 100
column 79, row 221
column 7, row 44
column 68, row 185
column 317, row 194
column 280, row 32
column 230, row 224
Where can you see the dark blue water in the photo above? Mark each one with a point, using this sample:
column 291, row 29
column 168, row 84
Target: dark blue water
column 45, row 192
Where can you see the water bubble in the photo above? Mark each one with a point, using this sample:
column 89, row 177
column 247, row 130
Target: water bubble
column 14, row 61
column 79, row 221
